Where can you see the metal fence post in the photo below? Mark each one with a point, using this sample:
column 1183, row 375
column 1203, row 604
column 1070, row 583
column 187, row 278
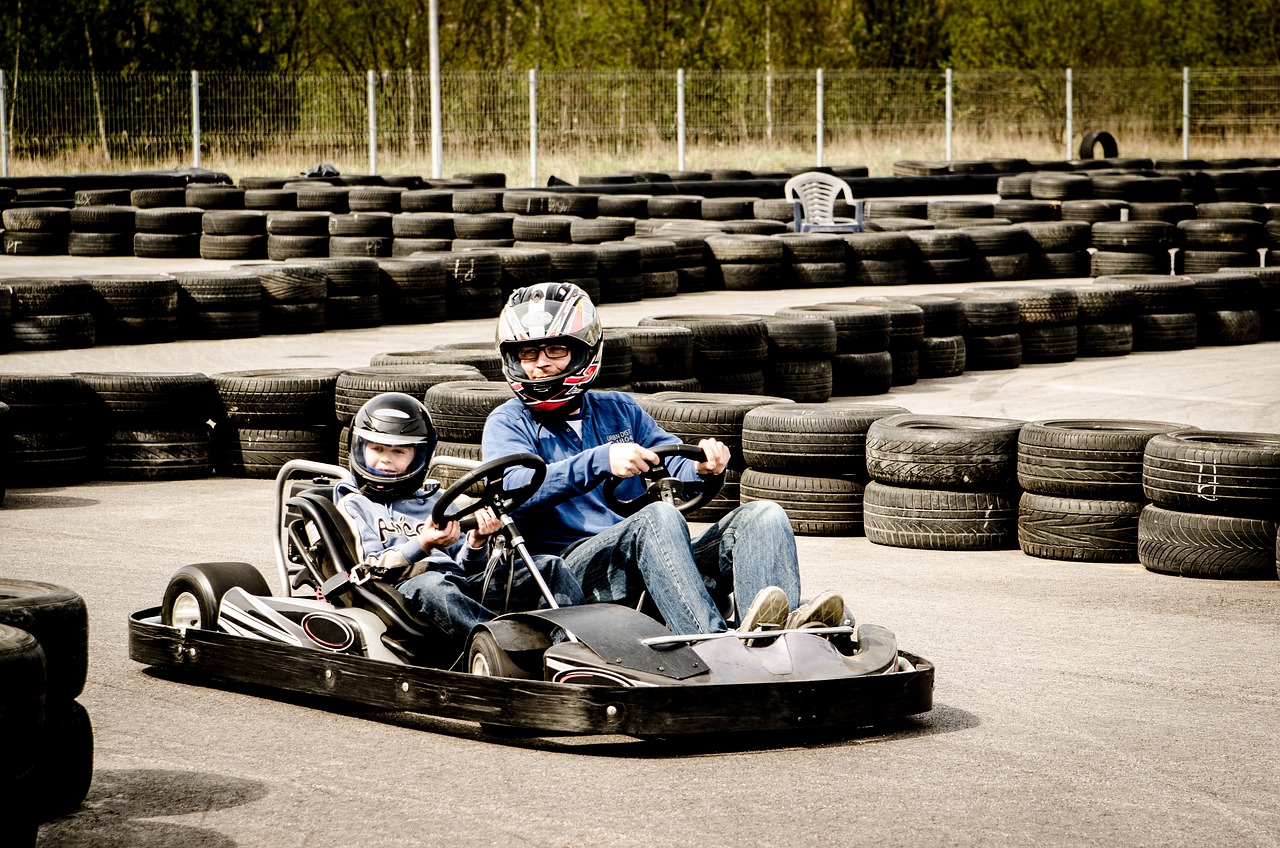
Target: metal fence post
column 371, row 84
column 533, row 127
column 820, row 116
column 437, row 141
column 195, row 119
column 1071, row 114
column 950, row 118
column 1186, row 113
column 4, row 125
column 680, row 119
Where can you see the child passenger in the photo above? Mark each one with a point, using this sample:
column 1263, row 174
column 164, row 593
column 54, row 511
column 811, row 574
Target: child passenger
column 389, row 509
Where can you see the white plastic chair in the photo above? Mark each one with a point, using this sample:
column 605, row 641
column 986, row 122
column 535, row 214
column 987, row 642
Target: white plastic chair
column 813, row 194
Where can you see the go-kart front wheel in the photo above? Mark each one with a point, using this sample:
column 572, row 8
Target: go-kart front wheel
column 194, row 594
column 486, row 658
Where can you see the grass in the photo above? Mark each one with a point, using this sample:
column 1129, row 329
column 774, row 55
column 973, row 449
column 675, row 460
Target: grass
column 877, row 153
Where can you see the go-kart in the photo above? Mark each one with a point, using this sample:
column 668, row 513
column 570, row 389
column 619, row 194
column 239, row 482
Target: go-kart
column 593, row 669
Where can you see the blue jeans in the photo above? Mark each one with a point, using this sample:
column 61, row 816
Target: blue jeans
column 690, row 580
column 450, row 599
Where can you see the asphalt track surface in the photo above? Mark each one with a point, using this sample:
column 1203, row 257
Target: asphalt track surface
column 1075, row 703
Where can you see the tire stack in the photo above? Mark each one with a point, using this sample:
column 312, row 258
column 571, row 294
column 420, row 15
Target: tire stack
column 729, row 351
column 1047, row 322
column 412, row 291
column 1083, row 488
column 1226, row 305
column 293, row 297
column 1104, row 322
column 661, row 359
column 658, row 257
column 471, row 284
column 813, row 260
column 101, row 230
column 356, row 386
column 44, row 663
column 458, row 410
column 167, row 232
column 50, row 313
column 521, row 266
column 48, row 437
column 906, row 335
column 877, row 259
column 810, row 459
column 942, row 482
column 577, row 264
column 989, row 324
column 941, row 256
column 1060, row 248
column 692, row 417
column 861, row 364
column 297, row 235
column 999, row 253
column 747, row 262
column 1215, row 496
column 207, row 196
column 1164, row 315
column 799, row 365
column 35, row 230
column 353, row 298
column 942, row 350
column 414, row 231
column 479, row 355
column 360, row 234
column 219, row 304
column 1213, row 243
column 134, row 308
column 151, row 426
column 1269, row 301
column 233, row 234
column 270, row 416
column 618, row 268
column 1133, row 247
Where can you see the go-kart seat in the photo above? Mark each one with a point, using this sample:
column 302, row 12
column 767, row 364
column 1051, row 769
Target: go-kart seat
column 330, row 561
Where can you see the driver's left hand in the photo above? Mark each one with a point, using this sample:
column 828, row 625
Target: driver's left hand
column 487, row 524
column 717, row 453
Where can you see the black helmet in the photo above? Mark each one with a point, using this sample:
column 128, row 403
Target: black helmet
column 396, row 420
column 555, row 313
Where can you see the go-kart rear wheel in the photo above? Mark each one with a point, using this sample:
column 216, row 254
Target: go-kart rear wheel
column 194, row 593
column 486, row 658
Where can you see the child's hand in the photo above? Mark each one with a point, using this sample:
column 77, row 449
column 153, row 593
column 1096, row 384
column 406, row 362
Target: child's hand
column 437, row 537
column 486, row 525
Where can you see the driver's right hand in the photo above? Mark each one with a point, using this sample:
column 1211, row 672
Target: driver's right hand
column 627, row 459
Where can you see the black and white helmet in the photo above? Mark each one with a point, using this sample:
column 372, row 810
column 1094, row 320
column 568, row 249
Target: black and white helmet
column 551, row 313
column 394, row 419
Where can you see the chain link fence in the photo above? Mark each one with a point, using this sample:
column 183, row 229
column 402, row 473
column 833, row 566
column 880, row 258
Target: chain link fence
column 151, row 120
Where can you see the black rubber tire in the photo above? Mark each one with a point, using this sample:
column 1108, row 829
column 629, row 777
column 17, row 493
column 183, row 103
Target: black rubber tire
column 942, row 356
column 721, row 343
column 288, row 394
column 801, row 380
column 53, row 332
column 486, row 657
column 1043, row 343
column 992, row 352
column 1228, row 327
column 1092, row 139
column 859, row 327
column 862, row 374
column 815, row 506
column 22, row 705
column 152, row 398
column 1164, row 331
column 459, row 408
column 61, row 778
column 943, row 451
column 28, row 243
column 811, row 438
column 356, row 386
column 988, row 312
column 661, row 352
column 154, row 453
column 58, row 618
column 1079, row 458
column 259, row 451
column 206, row 583
column 1194, row 545
column 1078, row 529
column 1097, row 339
column 1214, row 472
column 695, row 416
column 939, row 520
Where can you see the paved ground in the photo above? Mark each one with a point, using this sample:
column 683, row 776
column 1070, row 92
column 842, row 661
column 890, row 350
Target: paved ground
column 1076, row 704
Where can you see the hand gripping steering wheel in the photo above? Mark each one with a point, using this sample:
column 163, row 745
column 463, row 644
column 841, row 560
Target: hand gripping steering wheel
column 661, row 485
column 495, row 494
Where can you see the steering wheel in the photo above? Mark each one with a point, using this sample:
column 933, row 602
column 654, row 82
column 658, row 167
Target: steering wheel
column 495, row 494
column 661, row 485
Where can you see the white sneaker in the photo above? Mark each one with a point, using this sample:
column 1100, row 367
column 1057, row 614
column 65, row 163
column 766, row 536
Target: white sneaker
column 770, row 606
column 824, row 610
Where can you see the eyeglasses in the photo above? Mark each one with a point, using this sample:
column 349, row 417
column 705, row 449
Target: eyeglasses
column 529, row 354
